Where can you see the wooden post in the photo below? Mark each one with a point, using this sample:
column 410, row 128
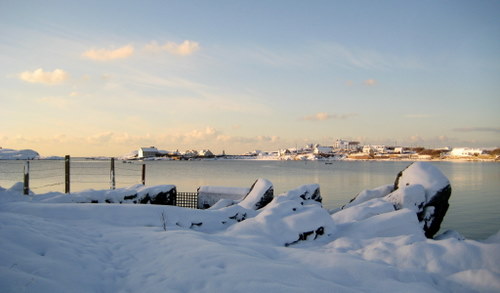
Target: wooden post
column 26, row 189
column 143, row 177
column 112, row 174
column 66, row 174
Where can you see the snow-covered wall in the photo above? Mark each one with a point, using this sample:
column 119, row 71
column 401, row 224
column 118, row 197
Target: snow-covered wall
column 210, row 195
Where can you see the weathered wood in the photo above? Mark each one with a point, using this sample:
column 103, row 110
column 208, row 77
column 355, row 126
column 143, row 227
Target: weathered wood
column 66, row 174
column 143, row 177
column 112, row 174
column 26, row 189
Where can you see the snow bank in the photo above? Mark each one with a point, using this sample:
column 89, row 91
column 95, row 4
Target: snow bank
column 50, row 243
column 288, row 219
column 10, row 154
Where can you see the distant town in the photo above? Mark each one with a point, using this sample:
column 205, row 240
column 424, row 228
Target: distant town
column 339, row 150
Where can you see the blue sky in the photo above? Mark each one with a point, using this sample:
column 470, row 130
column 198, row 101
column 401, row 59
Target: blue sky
column 92, row 78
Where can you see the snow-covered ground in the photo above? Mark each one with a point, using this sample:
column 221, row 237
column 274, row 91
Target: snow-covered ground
column 55, row 243
column 10, row 154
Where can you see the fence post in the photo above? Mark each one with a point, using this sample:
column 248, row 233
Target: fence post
column 66, row 174
column 143, row 177
column 26, row 189
column 112, row 174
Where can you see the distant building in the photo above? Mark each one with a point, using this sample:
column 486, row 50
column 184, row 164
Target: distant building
column 147, row 152
column 367, row 149
column 323, row 150
column 465, row 152
column 375, row 149
column 346, row 145
column 399, row 150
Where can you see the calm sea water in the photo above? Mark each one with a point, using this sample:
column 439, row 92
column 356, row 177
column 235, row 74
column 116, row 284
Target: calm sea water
column 474, row 203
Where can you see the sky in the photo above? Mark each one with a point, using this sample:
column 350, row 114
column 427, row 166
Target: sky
column 89, row 78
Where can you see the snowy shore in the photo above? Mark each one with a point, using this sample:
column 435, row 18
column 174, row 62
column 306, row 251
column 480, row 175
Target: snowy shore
column 55, row 243
column 10, row 154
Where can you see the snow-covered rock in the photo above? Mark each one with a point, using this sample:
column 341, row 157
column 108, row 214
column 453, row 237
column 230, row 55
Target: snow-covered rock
column 290, row 218
column 10, row 154
column 308, row 192
column 261, row 193
column 139, row 194
column 423, row 188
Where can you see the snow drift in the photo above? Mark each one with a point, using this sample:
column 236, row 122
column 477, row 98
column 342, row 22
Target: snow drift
column 376, row 243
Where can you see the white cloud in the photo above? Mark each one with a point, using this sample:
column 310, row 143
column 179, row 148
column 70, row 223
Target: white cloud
column 100, row 138
column 478, row 129
column 370, row 82
column 207, row 133
column 46, row 77
column 321, row 116
column 105, row 54
column 183, row 49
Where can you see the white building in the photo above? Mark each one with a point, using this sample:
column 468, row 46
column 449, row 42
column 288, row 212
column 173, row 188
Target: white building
column 367, row 149
column 379, row 149
column 323, row 150
column 341, row 144
column 147, row 152
column 465, row 152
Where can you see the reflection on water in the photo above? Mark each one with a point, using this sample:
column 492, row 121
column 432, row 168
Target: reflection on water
column 474, row 203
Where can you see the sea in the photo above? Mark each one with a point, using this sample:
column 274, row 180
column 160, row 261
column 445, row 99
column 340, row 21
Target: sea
column 474, row 204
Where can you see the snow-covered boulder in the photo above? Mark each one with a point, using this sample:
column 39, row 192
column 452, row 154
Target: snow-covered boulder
column 289, row 219
column 261, row 193
column 210, row 195
column 308, row 192
column 137, row 194
column 423, row 188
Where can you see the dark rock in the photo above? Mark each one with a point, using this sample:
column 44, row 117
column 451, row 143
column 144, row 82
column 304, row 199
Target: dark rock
column 314, row 195
column 129, row 197
column 145, row 199
column 239, row 217
column 161, row 198
column 303, row 236
column 165, row 198
column 434, row 211
column 320, row 231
